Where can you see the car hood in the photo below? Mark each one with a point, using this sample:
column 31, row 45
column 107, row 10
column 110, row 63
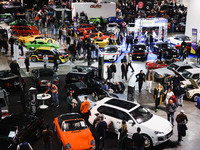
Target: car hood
column 163, row 125
column 83, row 137
column 163, row 71
column 194, row 84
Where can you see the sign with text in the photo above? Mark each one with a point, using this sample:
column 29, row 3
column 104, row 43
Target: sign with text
column 194, row 41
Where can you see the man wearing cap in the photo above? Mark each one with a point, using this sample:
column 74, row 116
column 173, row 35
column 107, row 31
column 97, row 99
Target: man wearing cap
column 181, row 120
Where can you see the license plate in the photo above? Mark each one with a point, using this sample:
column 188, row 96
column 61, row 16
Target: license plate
column 138, row 57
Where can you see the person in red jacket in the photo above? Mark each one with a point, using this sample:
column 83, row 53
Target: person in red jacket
column 84, row 109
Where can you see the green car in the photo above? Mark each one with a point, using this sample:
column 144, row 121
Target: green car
column 21, row 22
column 40, row 43
column 97, row 20
column 5, row 16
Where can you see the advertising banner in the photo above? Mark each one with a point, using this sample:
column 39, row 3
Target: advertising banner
column 194, row 41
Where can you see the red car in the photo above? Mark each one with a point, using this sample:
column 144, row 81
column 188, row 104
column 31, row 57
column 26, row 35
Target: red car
column 87, row 27
column 98, row 35
column 188, row 46
column 24, row 30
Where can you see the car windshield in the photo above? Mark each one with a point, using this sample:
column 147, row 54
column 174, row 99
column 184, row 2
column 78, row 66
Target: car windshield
column 2, row 102
column 141, row 114
column 143, row 47
column 110, row 50
column 186, row 38
column 186, row 74
column 111, row 25
column 173, row 67
column 73, row 125
column 46, row 73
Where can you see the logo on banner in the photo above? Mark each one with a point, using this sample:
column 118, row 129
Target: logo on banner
column 95, row 6
column 140, row 5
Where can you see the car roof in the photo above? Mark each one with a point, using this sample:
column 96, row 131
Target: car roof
column 69, row 116
column 193, row 70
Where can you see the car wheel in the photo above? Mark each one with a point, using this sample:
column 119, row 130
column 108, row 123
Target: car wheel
column 33, row 59
column 195, row 97
column 38, row 133
column 148, row 142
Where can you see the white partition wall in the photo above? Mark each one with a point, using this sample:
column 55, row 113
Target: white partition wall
column 193, row 18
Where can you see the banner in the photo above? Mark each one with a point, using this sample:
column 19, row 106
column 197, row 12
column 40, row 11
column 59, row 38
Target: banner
column 194, row 41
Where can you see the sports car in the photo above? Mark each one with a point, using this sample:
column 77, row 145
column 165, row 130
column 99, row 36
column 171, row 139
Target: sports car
column 13, row 127
column 139, row 51
column 82, row 27
column 10, row 81
column 40, row 43
column 42, row 76
column 179, row 39
column 37, row 54
column 24, row 30
column 111, row 52
column 73, row 133
column 96, row 20
column 114, row 19
column 26, row 39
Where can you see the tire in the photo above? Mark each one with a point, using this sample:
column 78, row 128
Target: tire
column 33, row 59
column 148, row 142
column 195, row 97
column 38, row 134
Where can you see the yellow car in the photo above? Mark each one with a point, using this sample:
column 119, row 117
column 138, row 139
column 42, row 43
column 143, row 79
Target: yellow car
column 26, row 39
column 37, row 54
column 104, row 42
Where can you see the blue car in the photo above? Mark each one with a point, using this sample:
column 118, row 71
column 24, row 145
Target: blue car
column 114, row 19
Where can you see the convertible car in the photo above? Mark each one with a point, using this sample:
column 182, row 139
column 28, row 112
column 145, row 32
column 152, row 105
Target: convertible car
column 73, row 133
column 24, row 30
column 40, row 43
column 26, row 39
column 156, row 64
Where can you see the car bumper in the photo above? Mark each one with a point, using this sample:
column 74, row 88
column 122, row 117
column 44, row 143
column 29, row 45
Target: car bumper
column 162, row 139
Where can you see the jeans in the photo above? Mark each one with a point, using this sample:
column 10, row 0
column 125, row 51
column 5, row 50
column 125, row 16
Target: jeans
column 113, row 76
column 170, row 114
column 55, row 98
column 179, row 133
column 149, row 85
column 180, row 99
column 138, row 148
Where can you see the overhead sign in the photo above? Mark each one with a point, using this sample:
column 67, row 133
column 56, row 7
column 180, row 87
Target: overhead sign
column 194, row 41
column 95, row 6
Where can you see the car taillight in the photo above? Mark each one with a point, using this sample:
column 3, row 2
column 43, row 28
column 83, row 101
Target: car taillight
column 39, row 82
column 9, row 85
column 4, row 114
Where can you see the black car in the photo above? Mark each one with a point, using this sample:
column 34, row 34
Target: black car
column 43, row 76
column 10, row 81
column 139, row 51
column 168, row 50
column 78, row 73
column 15, row 126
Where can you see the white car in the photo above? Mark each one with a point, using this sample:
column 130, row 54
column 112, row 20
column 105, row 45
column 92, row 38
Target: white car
column 179, row 39
column 111, row 52
column 155, row 129
column 112, row 28
column 130, row 27
column 193, row 92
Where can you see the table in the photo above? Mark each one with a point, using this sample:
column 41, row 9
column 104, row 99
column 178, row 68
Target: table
column 43, row 98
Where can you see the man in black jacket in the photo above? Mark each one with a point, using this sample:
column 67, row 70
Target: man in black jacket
column 124, row 69
column 109, row 73
column 138, row 140
column 26, row 61
column 140, row 79
column 113, row 69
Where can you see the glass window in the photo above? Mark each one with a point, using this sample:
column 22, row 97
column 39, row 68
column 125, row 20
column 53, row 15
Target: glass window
column 122, row 115
column 186, row 74
column 183, row 68
column 195, row 76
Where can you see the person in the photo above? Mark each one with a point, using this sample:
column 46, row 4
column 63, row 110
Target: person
column 113, row 70
column 21, row 48
column 185, row 53
column 176, row 84
column 158, row 93
column 119, row 88
column 45, row 59
column 24, row 145
column 89, row 53
column 127, row 42
column 69, row 100
column 55, row 62
column 181, row 120
column 54, row 90
column 27, row 64
column 159, row 55
column 198, row 54
column 169, row 94
column 140, row 79
column 105, row 86
column 14, row 67
column 181, row 93
column 109, row 73
column 149, row 79
column 130, row 61
column 98, row 119
column 84, row 109
column 60, row 35
column 47, row 135
column 170, row 109
column 124, row 69
column 100, row 132
column 79, row 45
column 123, row 135
column 124, row 59
column 138, row 140
column 151, row 41
column 11, row 42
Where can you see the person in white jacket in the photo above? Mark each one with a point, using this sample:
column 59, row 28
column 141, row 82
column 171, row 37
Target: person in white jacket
column 168, row 95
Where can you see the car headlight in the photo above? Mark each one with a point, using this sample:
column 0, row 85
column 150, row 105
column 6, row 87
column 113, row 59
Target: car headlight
column 158, row 132
column 92, row 142
column 68, row 146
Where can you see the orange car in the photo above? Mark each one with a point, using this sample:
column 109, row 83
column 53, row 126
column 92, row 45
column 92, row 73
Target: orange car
column 73, row 132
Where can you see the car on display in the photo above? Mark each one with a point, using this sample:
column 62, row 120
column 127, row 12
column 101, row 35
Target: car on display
column 130, row 27
column 116, row 110
column 114, row 19
column 24, row 30
column 73, row 133
column 112, row 28
column 4, row 103
column 42, row 76
column 37, row 54
column 86, row 27
column 179, row 39
column 97, row 20
column 78, row 73
column 11, row 82
column 188, row 46
column 139, row 51
column 21, row 22
column 159, row 74
column 156, row 64
column 5, row 16
column 111, row 52
column 193, row 91
column 13, row 127
column 26, row 39
column 40, row 43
